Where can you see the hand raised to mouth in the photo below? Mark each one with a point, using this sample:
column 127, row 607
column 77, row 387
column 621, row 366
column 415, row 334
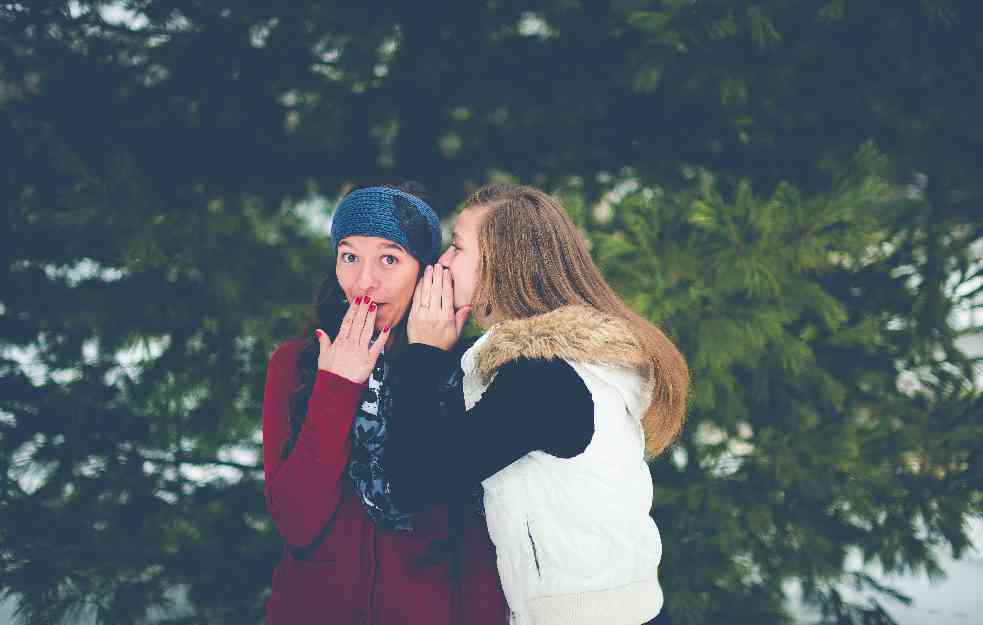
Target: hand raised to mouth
column 433, row 320
column 352, row 354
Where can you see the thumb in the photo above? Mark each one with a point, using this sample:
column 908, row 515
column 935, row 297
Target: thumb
column 460, row 316
column 378, row 346
column 323, row 340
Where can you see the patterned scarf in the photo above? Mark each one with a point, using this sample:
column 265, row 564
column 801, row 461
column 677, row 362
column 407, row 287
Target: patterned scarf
column 366, row 464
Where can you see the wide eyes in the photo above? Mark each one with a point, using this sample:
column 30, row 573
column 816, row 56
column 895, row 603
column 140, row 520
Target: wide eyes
column 349, row 258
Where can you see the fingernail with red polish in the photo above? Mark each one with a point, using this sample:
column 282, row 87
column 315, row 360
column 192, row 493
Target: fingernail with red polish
column 358, row 300
column 367, row 300
column 371, row 307
column 318, row 333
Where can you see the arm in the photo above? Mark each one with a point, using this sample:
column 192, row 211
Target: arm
column 303, row 490
column 435, row 451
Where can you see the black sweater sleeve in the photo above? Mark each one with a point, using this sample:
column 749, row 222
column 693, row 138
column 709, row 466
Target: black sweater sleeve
column 437, row 452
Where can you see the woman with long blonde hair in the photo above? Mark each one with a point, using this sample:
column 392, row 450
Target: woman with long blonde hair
column 564, row 397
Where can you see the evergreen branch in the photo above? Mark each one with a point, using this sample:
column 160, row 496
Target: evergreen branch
column 971, row 295
column 94, row 19
column 199, row 461
column 143, row 33
column 180, row 459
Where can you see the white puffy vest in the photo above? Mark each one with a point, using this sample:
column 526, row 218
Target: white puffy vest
column 574, row 540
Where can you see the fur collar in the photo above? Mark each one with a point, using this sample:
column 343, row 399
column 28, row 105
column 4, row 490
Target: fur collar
column 579, row 333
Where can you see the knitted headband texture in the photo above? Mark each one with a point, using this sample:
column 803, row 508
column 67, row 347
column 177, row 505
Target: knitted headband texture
column 390, row 214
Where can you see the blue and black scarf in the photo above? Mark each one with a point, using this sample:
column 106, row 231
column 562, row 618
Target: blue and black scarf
column 366, row 465
column 366, row 462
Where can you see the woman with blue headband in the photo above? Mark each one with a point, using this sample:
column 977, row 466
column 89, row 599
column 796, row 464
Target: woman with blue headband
column 351, row 554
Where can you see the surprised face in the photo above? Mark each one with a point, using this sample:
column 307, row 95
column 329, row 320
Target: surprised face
column 381, row 270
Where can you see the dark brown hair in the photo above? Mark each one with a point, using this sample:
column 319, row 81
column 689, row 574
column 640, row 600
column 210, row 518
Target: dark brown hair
column 327, row 310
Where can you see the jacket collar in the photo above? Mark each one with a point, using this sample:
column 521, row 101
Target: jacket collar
column 579, row 333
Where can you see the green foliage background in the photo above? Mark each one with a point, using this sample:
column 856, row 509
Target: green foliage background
column 791, row 189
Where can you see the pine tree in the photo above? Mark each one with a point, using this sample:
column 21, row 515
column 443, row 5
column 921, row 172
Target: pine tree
column 827, row 417
column 791, row 189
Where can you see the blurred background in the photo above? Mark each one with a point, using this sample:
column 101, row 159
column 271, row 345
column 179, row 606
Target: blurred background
column 791, row 189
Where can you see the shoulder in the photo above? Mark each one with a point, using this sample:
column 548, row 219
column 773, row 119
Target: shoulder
column 287, row 349
column 552, row 400
column 541, row 370
column 283, row 358
column 540, row 382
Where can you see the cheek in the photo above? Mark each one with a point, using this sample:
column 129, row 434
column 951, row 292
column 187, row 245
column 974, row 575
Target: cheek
column 466, row 272
column 401, row 296
column 455, row 271
column 409, row 286
column 344, row 281
column 458, row 276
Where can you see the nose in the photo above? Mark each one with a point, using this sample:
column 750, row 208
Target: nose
column 366, row 281
column 445, row 258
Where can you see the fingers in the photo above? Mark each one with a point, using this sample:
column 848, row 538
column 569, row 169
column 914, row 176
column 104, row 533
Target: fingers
column 348, row 320
column 378, row 346
column 427, row 287
column 358, row 322
column 324, row 341
column 353, row 324
column 432, row 319
column 369, row 325
column 437, row 289
column 324, row 352
column 418, row 293
column 447, row 293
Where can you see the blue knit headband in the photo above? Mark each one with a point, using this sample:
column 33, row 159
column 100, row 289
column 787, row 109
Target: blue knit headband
column 390, row 214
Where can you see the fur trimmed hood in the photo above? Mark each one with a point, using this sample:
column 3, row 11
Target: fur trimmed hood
column 579, row 333
column 582, row 334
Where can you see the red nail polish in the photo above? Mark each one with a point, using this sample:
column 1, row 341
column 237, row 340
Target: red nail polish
column 386, row 329
column 358, row 300
column 318, row 333
column 367, row 300
column 371, row 307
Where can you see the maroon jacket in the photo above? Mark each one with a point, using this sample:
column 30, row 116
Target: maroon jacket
column 358, row 575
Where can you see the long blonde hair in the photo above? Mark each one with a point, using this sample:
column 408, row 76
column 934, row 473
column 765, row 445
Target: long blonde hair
column 534, row 260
